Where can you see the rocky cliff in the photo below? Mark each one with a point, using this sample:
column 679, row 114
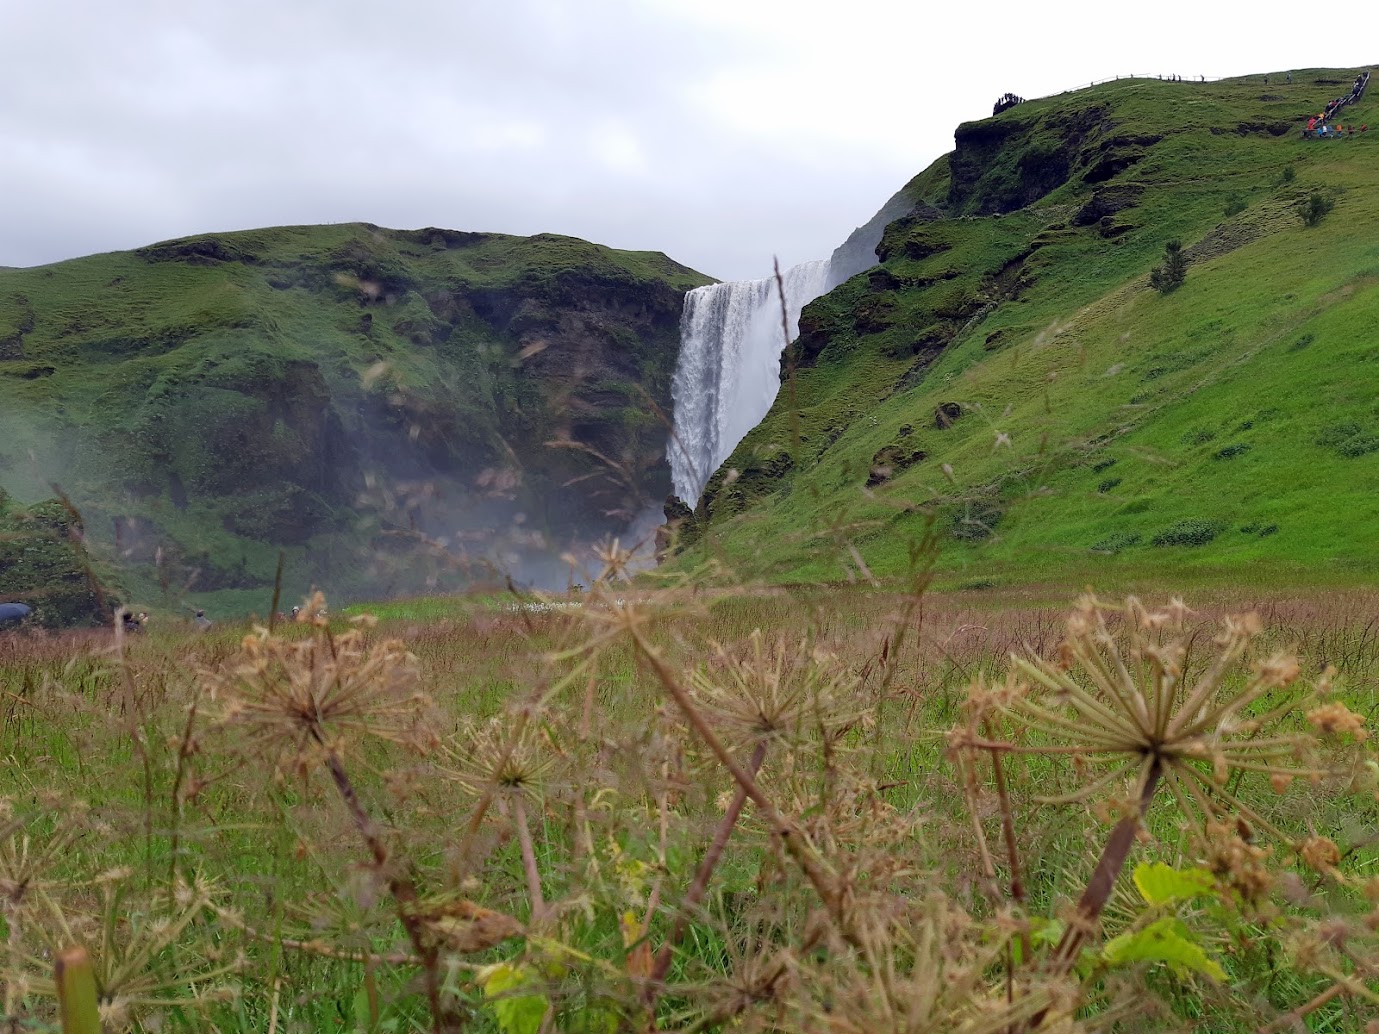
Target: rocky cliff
column 396, row 409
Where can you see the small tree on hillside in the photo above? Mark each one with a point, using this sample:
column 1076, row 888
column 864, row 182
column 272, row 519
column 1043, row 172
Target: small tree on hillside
column 1314, row 208
column 1170, row 275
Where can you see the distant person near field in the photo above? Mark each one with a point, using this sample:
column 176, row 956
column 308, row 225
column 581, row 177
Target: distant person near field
column 203, row 623
column 13, row 613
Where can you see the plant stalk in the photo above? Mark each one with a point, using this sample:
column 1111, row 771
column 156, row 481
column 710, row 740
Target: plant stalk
column 700, row 886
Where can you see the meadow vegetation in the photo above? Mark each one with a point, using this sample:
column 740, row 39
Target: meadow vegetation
column 662, row 807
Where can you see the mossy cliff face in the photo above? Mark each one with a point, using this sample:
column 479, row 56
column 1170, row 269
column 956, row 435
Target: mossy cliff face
column 378, row 402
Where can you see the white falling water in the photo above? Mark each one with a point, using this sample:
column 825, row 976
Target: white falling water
column 728, row 373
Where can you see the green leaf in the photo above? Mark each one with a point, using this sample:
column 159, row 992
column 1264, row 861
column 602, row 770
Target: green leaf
column 517, row 1013
column 362, row 1021
column 1045, row 931
column 1161, row 884
column 1167, row 941
column 594, row 1019
column 1042, row 933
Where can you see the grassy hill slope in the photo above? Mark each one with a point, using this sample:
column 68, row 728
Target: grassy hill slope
column 356, row 395
column 1008, row 377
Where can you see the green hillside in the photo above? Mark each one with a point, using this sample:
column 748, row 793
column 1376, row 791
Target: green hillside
column 377, row 402
column 1008, row 377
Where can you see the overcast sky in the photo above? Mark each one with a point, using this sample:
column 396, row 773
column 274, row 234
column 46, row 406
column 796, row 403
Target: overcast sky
column 719, row 131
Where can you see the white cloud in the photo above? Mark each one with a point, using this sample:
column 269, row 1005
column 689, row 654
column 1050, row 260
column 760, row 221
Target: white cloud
column 616, row 146
column 719, row 131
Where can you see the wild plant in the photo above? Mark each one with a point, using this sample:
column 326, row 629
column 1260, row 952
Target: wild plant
column 703, row 811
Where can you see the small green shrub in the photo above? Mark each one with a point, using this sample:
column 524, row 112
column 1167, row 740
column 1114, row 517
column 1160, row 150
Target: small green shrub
column 1198, row 437
column 1230, row 452
column 1101, row 465
column 976, row 521
column 1288, row 175
column 1301, row 343
column 1116, row 541
column 1189, row 532
column 1314, row 208
column 1107, row 485
column 1349, row 439
column 1235, row 204
column 1170, row 276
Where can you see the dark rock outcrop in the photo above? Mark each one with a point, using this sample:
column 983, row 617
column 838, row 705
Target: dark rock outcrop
column 1001, row 165
column 44, row 565
column 947, row 414
column 890, row 460
column 1107, row 201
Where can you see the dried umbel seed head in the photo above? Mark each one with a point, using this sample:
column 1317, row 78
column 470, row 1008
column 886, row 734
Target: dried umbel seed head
column 985, row 698
column 1335, row 719
column 771, row 690
column 1236, row 863
column 1123, row 705
column 1319, row 853
column 503, row 755
column 302, row 700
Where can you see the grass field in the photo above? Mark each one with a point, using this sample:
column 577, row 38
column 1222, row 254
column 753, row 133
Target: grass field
column 495, row 822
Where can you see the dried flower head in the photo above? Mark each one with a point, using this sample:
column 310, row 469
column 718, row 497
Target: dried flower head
column 1320, row 853
column 1237, row 864
column 1335, row 719
column 1124, row 702
column 502, row 755
column 766, row 690
column 147, row 954
column 298, row 701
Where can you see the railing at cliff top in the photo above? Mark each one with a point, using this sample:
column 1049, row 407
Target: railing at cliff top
column 1170, row 78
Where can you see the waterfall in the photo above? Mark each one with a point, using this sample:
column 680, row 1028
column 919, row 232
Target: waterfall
column 728, row 372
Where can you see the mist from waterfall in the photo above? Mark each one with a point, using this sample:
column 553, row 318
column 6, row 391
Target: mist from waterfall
column 729, row 369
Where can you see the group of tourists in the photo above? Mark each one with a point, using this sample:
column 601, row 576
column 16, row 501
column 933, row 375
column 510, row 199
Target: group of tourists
column 1320, row 126
column 1324, row 131
column 1007, row 101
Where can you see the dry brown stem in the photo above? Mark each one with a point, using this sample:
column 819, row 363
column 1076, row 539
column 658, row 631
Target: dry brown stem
column 700, row 886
